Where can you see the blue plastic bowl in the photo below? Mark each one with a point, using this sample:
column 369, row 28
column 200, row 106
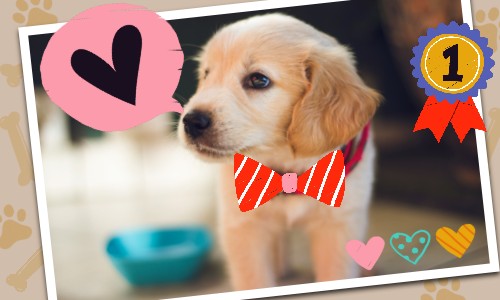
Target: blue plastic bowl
column 159, row 256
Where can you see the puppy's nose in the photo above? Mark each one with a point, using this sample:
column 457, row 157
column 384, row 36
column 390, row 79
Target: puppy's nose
column 195, row 123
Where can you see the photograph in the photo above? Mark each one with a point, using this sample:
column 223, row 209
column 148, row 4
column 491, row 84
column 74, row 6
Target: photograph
column 184, row 204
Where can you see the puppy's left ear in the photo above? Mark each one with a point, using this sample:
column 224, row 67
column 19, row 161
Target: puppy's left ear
column 336, row 106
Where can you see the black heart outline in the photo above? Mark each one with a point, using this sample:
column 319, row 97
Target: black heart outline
column 120, row 81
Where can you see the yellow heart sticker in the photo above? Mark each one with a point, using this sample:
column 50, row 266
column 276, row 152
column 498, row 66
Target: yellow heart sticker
column 458, row 242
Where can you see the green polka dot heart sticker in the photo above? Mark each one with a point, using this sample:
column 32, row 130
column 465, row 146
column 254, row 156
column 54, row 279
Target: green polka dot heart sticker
column 113, row 67
column 452, row 63
column 411, row 248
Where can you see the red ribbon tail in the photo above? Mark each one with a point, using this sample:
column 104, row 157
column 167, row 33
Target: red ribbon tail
column 465, row 118
column 435, row 116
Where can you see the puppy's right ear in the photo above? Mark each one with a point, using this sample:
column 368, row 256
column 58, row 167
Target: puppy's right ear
column 336, row 106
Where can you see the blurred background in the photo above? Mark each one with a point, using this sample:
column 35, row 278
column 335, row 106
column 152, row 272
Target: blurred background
column 99, row 183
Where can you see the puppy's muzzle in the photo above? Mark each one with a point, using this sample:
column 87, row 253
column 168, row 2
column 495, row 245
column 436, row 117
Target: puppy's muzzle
column 196, row 123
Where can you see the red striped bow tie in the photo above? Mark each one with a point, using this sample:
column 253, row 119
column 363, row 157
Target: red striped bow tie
column 256, row 184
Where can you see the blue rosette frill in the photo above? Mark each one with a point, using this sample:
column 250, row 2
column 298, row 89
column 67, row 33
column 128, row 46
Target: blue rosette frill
column 452, row 28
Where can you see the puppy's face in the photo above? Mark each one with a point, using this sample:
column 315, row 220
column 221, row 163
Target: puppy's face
column 257, row 91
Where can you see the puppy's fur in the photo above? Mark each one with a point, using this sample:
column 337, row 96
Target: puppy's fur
column 315, row 104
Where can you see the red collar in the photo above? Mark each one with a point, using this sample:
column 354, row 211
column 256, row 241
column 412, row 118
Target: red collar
column 353, row 150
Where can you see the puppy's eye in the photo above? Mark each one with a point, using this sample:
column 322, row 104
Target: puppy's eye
column 258, row 81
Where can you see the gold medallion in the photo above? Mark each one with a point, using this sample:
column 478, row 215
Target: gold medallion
column 452, row 63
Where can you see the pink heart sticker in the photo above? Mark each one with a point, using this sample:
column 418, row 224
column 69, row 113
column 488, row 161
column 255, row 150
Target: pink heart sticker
column 366, row 255
column 113, row 67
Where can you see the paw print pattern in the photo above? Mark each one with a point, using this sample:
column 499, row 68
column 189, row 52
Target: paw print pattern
column 34, row 12
column 489, row 28
column 444, row 290
column 12, row 74
column 12, row 230
column 493, row 133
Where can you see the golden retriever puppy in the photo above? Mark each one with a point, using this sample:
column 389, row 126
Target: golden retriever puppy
column 285, row 94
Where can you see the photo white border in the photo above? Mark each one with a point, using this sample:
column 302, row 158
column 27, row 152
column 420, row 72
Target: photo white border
column 493, row 266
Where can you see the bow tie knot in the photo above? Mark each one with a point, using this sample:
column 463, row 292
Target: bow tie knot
column 289, row 182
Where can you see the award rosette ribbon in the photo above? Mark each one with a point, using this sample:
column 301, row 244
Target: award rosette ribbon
column 452, row 63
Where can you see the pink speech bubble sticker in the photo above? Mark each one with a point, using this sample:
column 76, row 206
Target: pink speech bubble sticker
column 91, row 64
